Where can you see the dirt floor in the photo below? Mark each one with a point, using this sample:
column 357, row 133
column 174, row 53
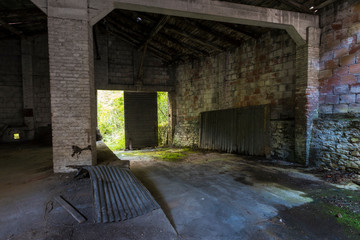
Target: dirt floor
column 203, row 195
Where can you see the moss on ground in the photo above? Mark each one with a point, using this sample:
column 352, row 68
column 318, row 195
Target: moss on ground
column 163, row 154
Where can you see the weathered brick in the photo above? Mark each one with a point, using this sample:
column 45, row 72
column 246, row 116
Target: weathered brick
column 341, row 108
column 347, row 60
column 326, row 109
column 341, row 89
column 354, row 107
column 332, row 99
column 325, row 73
column 355, row 88
column 354, row 68
column 341, row 52
column 347, row 98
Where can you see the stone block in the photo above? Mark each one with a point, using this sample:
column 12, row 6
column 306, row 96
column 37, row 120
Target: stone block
column 332, row 99
column 341, row 89
column 355, row 88
column 326, row 109
column 354, row 68
column 341, row 52
column 341, row 108
column 347, row 98
column 347, row 60
column 354, row 108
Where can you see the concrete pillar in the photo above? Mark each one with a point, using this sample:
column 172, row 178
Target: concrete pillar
column 73, row 103
column 307, row 93
column 28, row 88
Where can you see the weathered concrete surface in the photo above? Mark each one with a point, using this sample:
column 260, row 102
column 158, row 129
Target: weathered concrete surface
column 295, row 23
column 206, row 196
column 72, row 87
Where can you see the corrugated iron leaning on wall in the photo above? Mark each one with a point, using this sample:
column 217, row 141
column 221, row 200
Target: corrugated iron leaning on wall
column 241, row 130
column 118, row 195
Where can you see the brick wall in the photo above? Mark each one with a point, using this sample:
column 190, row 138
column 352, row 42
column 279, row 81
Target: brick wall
column 339, row 86
column 11, row 101
column 41, row 81
column 72, row 92
column 118, row 66
column 259, row 72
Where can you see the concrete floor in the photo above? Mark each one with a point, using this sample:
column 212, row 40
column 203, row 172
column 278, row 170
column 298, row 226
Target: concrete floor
column 206, row 195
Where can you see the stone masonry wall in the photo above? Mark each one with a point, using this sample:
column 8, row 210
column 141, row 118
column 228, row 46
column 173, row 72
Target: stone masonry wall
column 41, row 80
column 336, row 142
column 339, row 85
column 259, row 72
column 118, row 66
column 11, row 101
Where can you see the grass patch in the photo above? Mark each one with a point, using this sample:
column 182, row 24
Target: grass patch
column 163, row 154
column 348, row 218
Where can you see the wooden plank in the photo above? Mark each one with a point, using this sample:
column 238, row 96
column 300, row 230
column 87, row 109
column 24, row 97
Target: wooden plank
column 70, row 209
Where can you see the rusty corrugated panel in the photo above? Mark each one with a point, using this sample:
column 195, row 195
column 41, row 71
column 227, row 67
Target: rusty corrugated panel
column 240, row 130
column 141, row 119
column 118, row 195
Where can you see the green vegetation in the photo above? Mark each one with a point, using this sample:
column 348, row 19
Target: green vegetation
column 163, row 154
column 163, row 117
column 111, row 121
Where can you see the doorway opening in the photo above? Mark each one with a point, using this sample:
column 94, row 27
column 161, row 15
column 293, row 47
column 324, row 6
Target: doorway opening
column 163, row 118
column 111, row 121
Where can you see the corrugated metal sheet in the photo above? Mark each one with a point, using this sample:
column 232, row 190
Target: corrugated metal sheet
column 118, row 195
column 141, row 119
column 240, row 130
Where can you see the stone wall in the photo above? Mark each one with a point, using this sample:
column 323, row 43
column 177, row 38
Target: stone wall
column 117, row 66
column 339, row 82
column 11, row 88
column 41, row 81
column 336, row 142
column 259, row 72
column 11, row 100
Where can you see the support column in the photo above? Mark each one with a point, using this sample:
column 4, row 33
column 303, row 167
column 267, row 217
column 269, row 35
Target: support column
column 28, row 88
column 307, row 93
column 73, row 103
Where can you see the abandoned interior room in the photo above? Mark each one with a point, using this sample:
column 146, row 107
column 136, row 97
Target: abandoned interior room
column 180, row 119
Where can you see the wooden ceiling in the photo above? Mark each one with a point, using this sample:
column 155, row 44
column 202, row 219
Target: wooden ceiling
column 173, row 39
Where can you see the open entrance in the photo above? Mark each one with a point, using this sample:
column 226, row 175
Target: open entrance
column 133, row 120
column 111, row 120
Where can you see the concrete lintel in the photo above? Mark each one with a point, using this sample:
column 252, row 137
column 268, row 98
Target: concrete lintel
column 134, row 88
column 68, row 13
column 224, row 12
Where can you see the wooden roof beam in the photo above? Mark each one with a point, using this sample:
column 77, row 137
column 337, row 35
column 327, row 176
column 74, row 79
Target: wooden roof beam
column 296, row 5
column 193, row 38
column 155, row 30
column 219, row 35
column 11, row 29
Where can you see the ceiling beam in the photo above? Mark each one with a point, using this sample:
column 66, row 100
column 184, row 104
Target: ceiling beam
column 246, row 33
column 155, row 30
column 193, row 38
column 219, row 35
column 11, row 29
column 324, row 4
column 296, row 5
column 135, row 42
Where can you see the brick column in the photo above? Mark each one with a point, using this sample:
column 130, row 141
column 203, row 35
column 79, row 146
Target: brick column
column 307, row 93
column 73, row 103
